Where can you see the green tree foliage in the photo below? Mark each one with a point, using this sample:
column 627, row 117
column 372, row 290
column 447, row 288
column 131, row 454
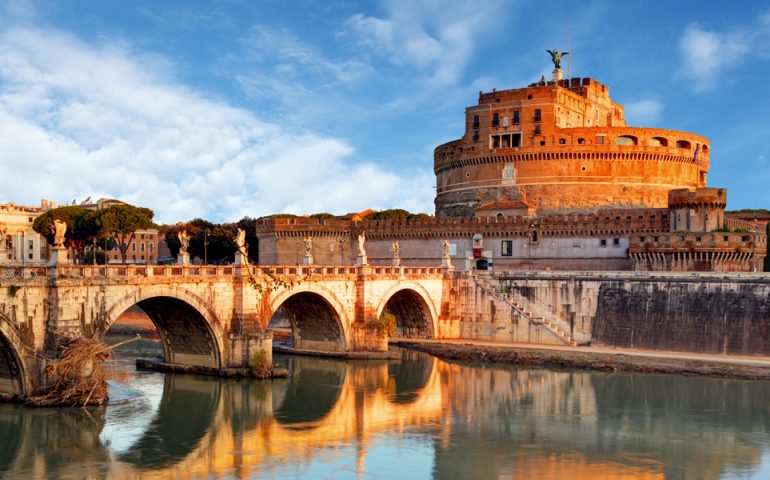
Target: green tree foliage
column 121, row 222
column 395, row 214
column 88, row 258
column 83, row 227
column 209, row 241
column 323, row 216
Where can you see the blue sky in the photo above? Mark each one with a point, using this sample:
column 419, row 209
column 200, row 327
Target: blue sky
column 244, row 107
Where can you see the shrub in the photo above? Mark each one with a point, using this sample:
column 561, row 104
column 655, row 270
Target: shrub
column 260, row 364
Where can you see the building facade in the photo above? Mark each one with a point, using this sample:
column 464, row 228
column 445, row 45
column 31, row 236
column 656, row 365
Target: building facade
column 19, row 243
column 549, row 177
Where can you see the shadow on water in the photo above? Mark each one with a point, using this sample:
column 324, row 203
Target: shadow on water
column 185, row 415
column 48, row 440
column 459, row 421
column 410, row 375
column 312, row 391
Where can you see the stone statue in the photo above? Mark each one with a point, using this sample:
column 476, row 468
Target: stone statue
column 445, row 244
column 59, row 229
column 396, row 250
column 361, row 240
column 240, row 240
column 556, row 57
column 184, row 241
column 308, row 245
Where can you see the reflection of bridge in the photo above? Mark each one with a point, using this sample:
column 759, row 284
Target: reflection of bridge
column 211, row 316
column 476, row 423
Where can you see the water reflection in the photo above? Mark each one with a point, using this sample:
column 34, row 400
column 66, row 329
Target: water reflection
column 414, row 418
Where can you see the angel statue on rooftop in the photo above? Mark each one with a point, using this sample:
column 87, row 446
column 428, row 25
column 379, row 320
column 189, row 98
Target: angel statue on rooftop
column 556, row 57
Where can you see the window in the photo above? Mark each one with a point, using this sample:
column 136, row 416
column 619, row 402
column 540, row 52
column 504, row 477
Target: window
column 515, row 117
column 726, row 238
column 29, row 219
column 141, row 247
column 8, row 242
column 626, row 140
column 475, row 121
column 133, row 247
column 603, row 242
column 152, row 247
column 30, row 256
column 529, row 97
column 537, row 131
column 30, row 245
column 615, row 242
column 537, row 115
column 581, row 141
column 562, row 141
column 600, row 139
column 506, row 248
column 496, row 120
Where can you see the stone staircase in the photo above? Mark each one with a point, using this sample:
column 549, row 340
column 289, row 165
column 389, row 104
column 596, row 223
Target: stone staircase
column 534, row 313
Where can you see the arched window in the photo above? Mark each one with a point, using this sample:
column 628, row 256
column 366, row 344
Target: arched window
column 683, row 144
column 626, row 140
column 658, row 142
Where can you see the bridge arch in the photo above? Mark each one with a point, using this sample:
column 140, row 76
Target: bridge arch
column 13, row 375
column 318, row 319
column 416, row 315
column 189, row 331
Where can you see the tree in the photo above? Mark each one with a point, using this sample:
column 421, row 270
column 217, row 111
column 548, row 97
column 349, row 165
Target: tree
column 395, row 214
column 83, row 227
column 210, row 241
column 122, row 221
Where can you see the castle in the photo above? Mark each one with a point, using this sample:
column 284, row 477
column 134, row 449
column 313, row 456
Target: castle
column 549, row 176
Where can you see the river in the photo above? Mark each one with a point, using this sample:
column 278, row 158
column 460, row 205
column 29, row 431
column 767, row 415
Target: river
column 415, row 418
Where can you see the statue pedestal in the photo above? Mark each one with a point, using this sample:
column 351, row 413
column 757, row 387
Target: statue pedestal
column 183, row 259
column 396, row 262
column 59, row 256
column 240, row 259
column 557, row 75
column 362, row 260
column 307, row 259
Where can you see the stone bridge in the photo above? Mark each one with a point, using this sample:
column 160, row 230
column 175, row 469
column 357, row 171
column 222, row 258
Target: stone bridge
column 214, row 317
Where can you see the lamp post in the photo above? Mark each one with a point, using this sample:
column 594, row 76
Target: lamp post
column 206, row 246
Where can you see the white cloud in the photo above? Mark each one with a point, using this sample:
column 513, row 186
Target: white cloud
column 435, row 37
column 707, row 54
column 78, row 120
column 643, row 112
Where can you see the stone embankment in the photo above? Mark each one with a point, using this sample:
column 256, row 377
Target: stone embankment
column 597, row 359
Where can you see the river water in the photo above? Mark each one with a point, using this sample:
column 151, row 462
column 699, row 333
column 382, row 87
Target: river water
column 415, row 418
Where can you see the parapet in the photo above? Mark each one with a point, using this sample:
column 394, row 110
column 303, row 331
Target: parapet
column 699, row 197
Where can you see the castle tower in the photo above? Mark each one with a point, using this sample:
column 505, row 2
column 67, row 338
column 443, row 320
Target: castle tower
column 565, row 147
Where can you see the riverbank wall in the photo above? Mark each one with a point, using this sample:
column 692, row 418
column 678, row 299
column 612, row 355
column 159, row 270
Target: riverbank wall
column 687, row 312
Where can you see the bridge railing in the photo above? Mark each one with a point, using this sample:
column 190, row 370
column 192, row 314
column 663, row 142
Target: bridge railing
column 140, row 271
column 22, row 273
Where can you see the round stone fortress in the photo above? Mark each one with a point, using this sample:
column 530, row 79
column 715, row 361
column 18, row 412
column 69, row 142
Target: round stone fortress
column 562, row 146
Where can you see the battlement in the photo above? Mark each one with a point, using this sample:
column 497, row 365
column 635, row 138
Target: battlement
column 700, row 197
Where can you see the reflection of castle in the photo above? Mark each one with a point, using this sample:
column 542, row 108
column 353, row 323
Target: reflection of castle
column 550, row 176
column 474, row 423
